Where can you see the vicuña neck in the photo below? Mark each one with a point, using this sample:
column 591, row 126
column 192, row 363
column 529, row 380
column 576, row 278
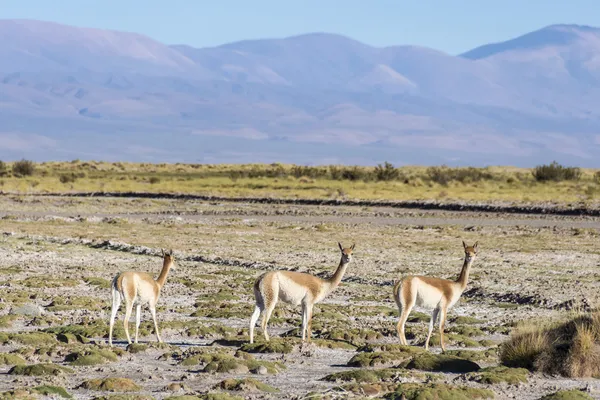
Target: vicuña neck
column 162, row 278
column 337, row 276
column 464, row 273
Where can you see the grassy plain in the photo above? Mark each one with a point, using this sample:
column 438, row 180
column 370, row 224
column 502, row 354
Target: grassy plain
column 289, row 181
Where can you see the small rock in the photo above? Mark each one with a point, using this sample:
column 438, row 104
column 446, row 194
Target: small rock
column 31, row 310
column 261, row 370
column 177, row 387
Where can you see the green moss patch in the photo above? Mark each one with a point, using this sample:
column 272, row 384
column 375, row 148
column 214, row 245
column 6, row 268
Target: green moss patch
column 52, row 391
column 98, row 282
column 365, row 375
column 246, row 385
column 351, row 335
column 70, row 338
column 495, row 375
column 415, row 391
column 125, row 397
column 362, row 390
column 416, row 316
column 573, row 394
column 333, row 344
column 74, row 302
column 454, row 339
column 99, row 328
column 276, row 345
column 39, row 281
column 382, row 358
column 373, row 347
column 111, row 385
column 36, row 339
column 135, row 348
column 474, row 355
column 442, row 363
column 11, row 359
column 91, row 357
column 40, row 370
column 6, row 321
column 209, row 331
column 208, row 309
column 189, row 397
column 466, row 330
column 464, row 320
column 219, row 362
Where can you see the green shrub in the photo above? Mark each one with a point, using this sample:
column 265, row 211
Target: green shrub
column 67, row 178
column 555, row 172
column 3, row 168
column 23, row 168
column 444, row 175
column 154, row 179
column 386, row 172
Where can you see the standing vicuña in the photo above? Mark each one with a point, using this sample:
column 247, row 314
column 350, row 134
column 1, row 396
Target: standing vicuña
column 436, row 293
column 294, row 288
column 140, row 288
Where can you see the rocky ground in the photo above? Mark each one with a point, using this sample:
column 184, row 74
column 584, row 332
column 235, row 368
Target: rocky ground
column 58, row 255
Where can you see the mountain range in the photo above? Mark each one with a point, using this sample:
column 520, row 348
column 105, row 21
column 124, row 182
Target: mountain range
column 68, row 92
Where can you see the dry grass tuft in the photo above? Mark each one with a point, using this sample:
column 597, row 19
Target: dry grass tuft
column 570, row 348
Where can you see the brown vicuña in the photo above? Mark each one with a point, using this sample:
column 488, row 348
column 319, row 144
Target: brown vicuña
column 436, row 293
column 138, row 288
column 294, row 288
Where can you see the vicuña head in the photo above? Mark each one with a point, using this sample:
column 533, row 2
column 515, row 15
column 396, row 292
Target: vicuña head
column 435, row 293
column 295, row 288
column 138, row 288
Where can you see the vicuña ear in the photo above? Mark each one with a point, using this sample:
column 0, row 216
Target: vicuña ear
column 475, row 245
column 341, row 248
column 162, row 252
column 352, row 248
column 171, row 252
column 464, row 244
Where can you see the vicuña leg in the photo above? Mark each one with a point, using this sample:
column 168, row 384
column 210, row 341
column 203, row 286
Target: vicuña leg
column 304, row 320
column 309, row 325
column 443, row 311
column 138, row 312
column 153, row 312
column 407, row 305
column 253, row 319
column 266, row 317
column 116, row 302
column 434, row 316
column 128, row 310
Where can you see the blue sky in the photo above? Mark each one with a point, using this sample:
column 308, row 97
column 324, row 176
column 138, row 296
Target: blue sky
column 451, row 26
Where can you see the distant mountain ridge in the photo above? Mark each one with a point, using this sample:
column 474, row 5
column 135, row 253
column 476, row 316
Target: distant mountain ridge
column 68, row 92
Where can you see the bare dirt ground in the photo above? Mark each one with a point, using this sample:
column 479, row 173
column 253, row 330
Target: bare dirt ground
column 58, row 255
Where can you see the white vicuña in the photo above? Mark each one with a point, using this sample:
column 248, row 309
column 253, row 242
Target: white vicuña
column 436, row 293
column 138, row 288
column 294, row 288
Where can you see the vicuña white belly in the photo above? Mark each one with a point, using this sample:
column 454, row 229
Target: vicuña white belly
column 289, row 291
column 428, row 296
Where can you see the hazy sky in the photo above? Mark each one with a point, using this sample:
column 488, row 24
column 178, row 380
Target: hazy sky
column 452, row 26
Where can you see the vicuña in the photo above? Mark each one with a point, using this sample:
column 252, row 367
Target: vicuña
column 294, row 288
column 138, row 288
column 436, row 293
